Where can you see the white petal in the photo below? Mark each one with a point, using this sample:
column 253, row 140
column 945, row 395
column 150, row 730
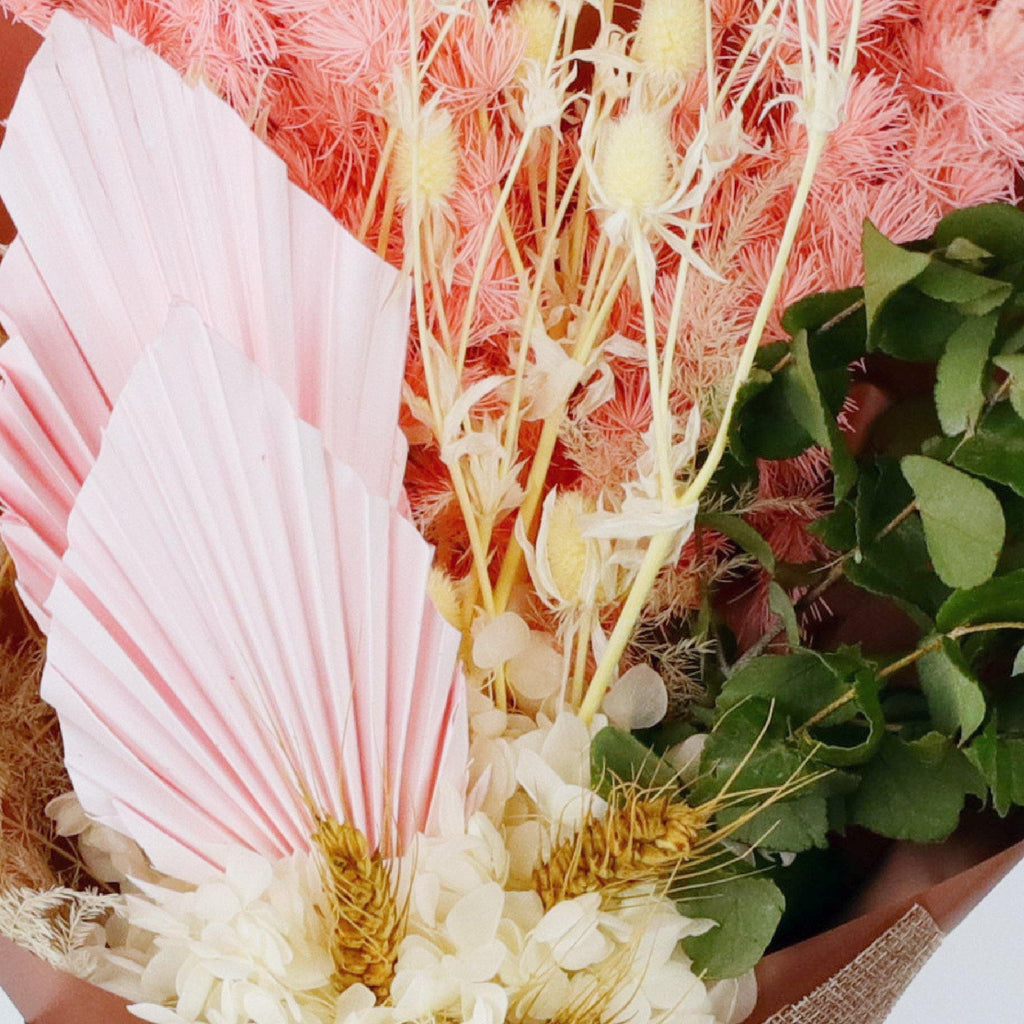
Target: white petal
column 537, row 671
column 732, row 999
column 500, row 640
column 473, row 921
column 638, row 700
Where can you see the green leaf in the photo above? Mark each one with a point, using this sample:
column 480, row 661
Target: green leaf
column 887, row 268
column 914, row 327
column 959, row 395
column 962, row 287
column 963, row 250
column 915, row 790
column 955, row 698
column 737, row 529
column 794, row 825
column 844, row 466
column 838, row 528
column 801, row 684
column 812, row 413
column 806, row 683
column 996, row 227
column 996, row 450
column 1000, row 599
column 963, row 521
column 816, row 310
column 747, row 908
column 765, row 426
column 617, row 755
column 895, row 565
column 779, row 604
column 1013, row 364
column 808, row 408
column 748, row 748
column 1000, row 759
column 1018, row 663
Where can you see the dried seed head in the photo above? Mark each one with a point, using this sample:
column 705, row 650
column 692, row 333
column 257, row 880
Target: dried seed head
column 428, row 146
column 366, row 924
column 670, row 37
column 634, row 160
column 639, row 839
column 538, row 21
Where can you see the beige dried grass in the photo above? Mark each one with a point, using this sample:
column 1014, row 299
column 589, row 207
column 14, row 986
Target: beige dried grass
column 32, row 773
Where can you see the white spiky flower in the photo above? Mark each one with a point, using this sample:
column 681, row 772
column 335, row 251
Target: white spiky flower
column 538, row 20
column 641, row 186
column 246, row 945
column 670, row 38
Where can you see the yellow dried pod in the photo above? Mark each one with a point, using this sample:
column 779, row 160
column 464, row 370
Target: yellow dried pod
column 431, row 141
column 566, row 547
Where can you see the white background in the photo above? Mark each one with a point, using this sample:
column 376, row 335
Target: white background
column 8, row 1014
column 976, row 977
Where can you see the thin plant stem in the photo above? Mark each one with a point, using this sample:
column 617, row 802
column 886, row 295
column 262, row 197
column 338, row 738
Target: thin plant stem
column 458, row 482
column 485, row 249
column 529, row 320
column 385, row 221
column 659, row 408
column 378, row 181
column 582, row 650
column 660, row 545
column 512, row 562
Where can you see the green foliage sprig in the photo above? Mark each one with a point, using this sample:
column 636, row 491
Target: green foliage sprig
column 927, row 523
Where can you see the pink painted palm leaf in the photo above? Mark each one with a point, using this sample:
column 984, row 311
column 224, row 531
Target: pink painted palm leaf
column 241, row 634
column 132, row 191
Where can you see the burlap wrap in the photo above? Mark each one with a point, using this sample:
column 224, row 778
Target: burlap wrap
column 866, row 989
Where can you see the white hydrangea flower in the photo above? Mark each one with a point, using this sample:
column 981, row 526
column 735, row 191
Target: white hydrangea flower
column 246, row 947
column 110, row 856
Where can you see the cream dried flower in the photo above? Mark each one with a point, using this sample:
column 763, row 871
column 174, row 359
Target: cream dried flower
column 247, row 945
column 670, row 38
column 539, row 21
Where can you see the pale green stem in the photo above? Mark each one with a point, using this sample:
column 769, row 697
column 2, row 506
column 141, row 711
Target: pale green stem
column 459, row 484
column 530, row 318
column 676, row 315
column 744, row 53
column 660, row 545
column 378, row 180
column 513, row 559
column 660, row 419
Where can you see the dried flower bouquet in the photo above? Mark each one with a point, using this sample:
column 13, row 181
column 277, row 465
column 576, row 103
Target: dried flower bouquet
column 554, row 766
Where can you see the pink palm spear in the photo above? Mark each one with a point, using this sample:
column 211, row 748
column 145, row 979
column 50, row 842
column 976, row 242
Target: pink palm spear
column 239, row 630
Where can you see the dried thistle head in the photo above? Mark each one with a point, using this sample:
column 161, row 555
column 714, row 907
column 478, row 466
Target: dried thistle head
column 635, row 160
column 670, row 38
column 366, row 921
column 426, row 161
column 539, row 22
